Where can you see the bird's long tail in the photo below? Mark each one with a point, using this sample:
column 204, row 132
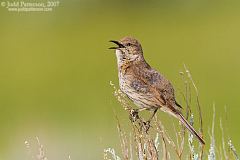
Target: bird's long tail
column 189, row 127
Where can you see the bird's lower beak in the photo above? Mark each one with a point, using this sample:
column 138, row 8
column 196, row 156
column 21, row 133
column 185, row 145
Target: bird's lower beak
column 117, row 43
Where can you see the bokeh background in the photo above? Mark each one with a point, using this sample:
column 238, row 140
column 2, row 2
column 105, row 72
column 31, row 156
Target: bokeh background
column 55, row 69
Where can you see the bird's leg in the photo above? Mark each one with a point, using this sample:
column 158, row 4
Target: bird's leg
column 150, row 119
column 154, row 112
column 146, row 125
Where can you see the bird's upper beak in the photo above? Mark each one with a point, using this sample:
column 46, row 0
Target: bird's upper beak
column 117, row 43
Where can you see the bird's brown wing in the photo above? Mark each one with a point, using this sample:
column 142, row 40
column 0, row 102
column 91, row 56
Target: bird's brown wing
column 166, row 92
column 156, row 85
column 162, row 92
column 178, row 104
column 161, row 87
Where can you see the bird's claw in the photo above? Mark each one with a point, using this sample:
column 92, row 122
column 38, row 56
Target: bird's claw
column 146, row 126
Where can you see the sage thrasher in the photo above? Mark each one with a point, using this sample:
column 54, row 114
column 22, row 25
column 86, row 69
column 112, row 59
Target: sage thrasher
column 145, row 86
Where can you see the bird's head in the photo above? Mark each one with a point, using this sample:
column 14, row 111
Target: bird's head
column 128, row 49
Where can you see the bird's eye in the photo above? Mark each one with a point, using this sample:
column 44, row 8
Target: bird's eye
column 128, row 44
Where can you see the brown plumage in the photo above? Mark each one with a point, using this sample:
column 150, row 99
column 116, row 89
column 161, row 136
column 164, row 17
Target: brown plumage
column 146, row 87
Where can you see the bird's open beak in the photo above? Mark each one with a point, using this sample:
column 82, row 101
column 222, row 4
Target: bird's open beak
column 117, row 43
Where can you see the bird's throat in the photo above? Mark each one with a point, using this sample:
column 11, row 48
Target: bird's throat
column 120, row 58
column 125, row 62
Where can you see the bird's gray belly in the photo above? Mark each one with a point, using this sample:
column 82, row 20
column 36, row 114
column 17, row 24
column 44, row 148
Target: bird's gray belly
column 138, row 93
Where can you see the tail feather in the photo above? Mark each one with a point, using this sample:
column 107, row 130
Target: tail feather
column 189, row 127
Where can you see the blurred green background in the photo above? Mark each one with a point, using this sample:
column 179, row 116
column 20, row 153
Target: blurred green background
column 55, row 69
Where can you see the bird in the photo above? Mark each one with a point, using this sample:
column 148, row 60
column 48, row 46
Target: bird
column 144, row 86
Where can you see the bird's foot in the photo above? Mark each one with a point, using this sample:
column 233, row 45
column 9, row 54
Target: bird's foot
column 134, row 115
column 146, row 126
